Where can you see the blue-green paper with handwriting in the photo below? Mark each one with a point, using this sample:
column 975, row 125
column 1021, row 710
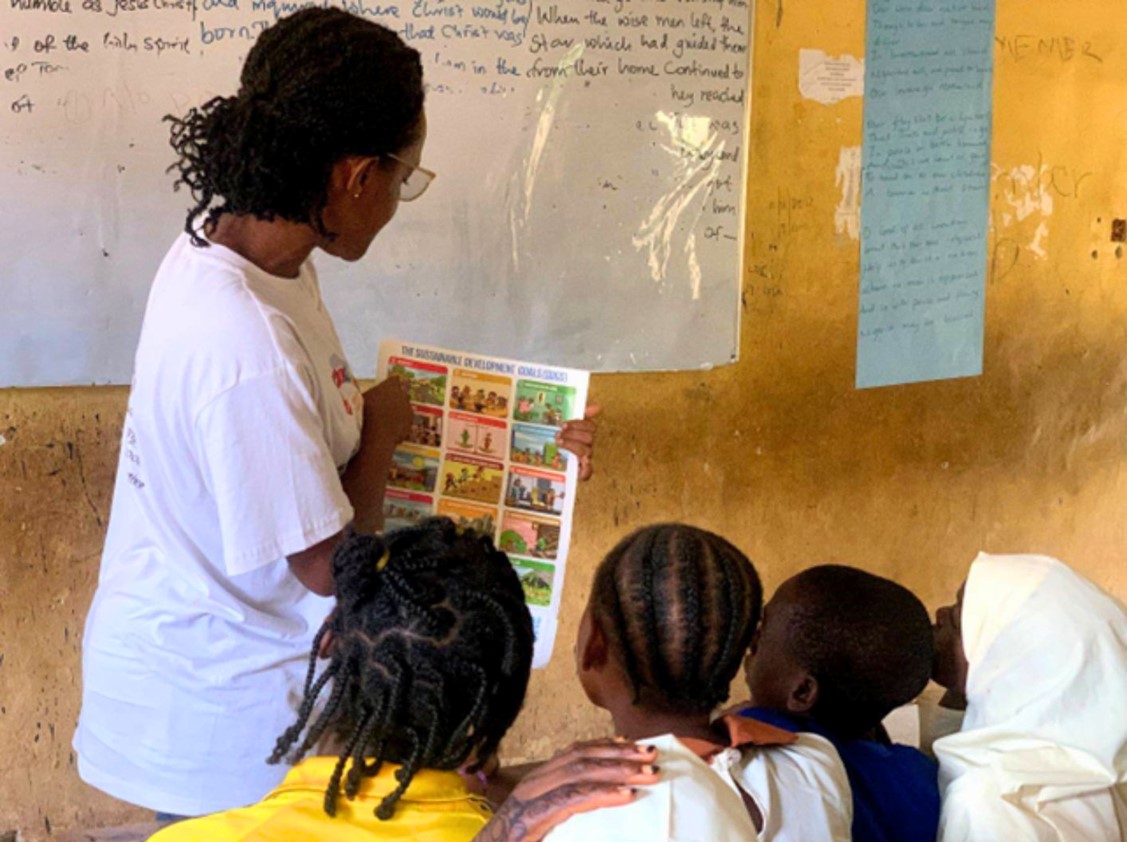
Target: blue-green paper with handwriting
column 926, row 190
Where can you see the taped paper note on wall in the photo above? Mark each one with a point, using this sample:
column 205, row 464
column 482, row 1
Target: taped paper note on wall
column 926, row 191
column 828, row 79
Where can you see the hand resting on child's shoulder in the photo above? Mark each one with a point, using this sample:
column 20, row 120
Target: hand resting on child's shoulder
column 585, row 777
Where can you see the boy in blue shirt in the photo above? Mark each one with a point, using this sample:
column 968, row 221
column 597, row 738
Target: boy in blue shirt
column 837, row 651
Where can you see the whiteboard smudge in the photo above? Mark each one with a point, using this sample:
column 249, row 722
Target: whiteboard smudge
column 830, row 79
column 847, row 214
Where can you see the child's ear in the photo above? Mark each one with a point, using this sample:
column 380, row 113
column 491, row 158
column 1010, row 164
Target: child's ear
column 594, row 651
column 803, row 695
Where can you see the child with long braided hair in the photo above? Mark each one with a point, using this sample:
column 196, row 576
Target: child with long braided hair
column 430, row 649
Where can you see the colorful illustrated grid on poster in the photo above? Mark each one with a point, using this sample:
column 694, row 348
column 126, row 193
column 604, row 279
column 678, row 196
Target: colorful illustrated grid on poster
column 482, row 450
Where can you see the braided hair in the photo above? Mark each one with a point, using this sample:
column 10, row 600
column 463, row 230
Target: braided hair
column 317, row 86
column 867, row 640
column 679, row 606
column 432, row 648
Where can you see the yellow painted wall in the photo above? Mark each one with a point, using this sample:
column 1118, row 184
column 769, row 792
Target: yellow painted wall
column 779, row 452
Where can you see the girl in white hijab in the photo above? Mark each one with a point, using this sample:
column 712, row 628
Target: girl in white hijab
column 1041, row 656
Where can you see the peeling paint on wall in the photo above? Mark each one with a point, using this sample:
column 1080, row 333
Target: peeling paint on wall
column 847, row 214
column 1038, row 244
column 1025, row 191
column 1029, row 193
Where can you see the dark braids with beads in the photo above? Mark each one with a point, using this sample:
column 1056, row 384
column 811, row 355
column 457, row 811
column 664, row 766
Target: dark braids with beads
column 317, row 86
column 680, row 606
column 430, row 657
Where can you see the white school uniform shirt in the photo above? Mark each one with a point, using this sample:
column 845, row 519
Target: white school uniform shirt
column 1042, row 755
column 691, row 803
column 797, row 781
column 801, row 789
column 242, row 413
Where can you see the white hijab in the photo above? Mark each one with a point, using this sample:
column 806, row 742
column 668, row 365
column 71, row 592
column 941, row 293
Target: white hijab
column 1042, row 754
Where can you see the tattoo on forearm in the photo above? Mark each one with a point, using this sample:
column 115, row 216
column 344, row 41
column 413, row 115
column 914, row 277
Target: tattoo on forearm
column 518, row 819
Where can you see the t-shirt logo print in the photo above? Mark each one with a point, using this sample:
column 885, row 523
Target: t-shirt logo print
column 349, row 392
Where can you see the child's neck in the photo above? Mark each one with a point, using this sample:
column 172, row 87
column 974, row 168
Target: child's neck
column 637, row 723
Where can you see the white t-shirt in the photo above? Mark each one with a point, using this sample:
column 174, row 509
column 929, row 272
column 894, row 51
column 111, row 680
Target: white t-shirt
column 691, row 803
column 242, row 413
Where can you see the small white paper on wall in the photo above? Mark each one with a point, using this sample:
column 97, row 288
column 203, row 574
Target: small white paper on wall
column 830, row 79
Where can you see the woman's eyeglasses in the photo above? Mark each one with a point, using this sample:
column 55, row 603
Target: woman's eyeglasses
column 416, row 182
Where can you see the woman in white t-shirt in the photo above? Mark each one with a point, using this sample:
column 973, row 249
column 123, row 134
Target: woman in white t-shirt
column 247, row 447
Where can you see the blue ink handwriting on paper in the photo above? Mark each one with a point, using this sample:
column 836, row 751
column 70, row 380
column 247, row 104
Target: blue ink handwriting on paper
column 926, row 190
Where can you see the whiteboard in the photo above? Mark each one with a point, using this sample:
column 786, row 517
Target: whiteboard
column 587, row 210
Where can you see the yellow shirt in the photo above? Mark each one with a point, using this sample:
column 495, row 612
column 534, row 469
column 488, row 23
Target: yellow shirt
column 436, row 807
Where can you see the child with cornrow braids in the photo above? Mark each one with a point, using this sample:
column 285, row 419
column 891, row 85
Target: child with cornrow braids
column 430, row 651
column 671, row 616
